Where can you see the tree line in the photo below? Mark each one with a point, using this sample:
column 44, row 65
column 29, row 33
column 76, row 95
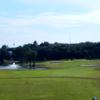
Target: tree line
column 50, row 51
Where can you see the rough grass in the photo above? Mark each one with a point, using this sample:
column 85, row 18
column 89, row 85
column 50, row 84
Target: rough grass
column 66, row 80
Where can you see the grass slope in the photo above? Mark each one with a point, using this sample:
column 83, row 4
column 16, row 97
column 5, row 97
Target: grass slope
column 44, row 84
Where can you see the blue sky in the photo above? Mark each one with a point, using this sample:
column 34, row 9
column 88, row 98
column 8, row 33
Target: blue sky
column 23, row 21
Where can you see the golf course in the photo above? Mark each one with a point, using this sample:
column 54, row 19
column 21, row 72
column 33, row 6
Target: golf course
column 59, row 80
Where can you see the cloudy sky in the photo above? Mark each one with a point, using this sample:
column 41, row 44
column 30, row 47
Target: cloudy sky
column 23, row 21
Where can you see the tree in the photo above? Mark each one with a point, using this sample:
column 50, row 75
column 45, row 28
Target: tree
column 29, row 56
column 3, row 54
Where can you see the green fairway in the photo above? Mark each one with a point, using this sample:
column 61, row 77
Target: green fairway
column 63, row 80
column 48, row 89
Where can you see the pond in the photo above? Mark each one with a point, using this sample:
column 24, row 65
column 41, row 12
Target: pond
column 11, row 66
column 16, row 67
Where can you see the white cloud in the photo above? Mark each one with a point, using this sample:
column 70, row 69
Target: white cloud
column 22, row 28
column 23, row 24
column 53, row 20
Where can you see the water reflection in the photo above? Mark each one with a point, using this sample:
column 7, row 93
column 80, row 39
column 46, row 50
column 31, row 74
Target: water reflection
column 11, row 66
column 16, row 66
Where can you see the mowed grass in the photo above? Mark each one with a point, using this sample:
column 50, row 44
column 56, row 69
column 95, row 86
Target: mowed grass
column 63, row 80
column 48, row 89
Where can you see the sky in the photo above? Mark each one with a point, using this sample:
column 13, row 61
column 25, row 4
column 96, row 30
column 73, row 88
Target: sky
column 64, row 21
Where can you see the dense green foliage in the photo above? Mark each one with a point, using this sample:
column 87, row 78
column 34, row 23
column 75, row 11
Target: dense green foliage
column 47, row 51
